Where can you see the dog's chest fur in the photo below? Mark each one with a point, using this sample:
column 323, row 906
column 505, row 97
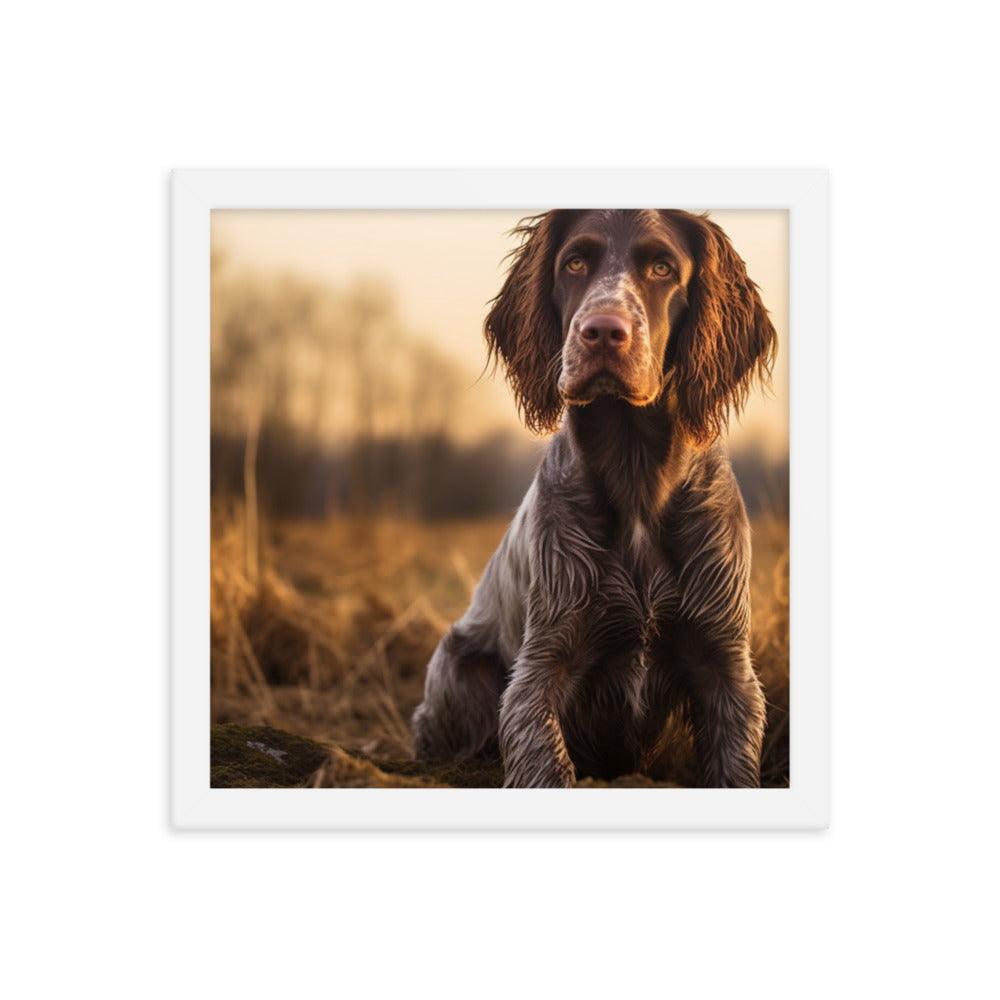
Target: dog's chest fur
column 620, row 652
column 635, row 601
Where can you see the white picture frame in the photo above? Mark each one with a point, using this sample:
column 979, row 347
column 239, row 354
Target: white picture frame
column 803, row 805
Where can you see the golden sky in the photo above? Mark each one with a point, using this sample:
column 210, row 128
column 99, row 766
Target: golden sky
column 444, row 266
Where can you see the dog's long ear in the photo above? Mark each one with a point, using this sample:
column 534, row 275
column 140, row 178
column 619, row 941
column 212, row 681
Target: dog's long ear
column 728, row 339
column 523, row 328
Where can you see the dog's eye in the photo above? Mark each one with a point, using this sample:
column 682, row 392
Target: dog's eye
column 576, row 264
column 662, row 268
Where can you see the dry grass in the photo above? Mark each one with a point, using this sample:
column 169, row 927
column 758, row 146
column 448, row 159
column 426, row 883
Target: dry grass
column 332, row 640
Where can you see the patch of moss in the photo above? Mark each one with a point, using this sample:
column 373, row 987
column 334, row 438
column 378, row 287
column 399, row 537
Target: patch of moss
column 625, row 781
column 479, row 772
column 262, row 757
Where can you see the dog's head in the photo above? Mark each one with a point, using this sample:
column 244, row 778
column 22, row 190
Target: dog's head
column 642, row 305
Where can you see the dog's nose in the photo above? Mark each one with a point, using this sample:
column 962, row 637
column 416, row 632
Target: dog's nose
column 606, row 331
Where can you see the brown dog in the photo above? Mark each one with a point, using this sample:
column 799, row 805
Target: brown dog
column 620, row 591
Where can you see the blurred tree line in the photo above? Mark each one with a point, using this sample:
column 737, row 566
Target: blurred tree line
column 323, row 403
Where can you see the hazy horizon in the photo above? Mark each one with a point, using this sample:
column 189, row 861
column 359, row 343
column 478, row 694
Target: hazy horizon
column 443, row 266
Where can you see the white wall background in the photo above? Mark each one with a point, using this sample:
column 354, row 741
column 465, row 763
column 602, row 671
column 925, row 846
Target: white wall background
column 100, row 100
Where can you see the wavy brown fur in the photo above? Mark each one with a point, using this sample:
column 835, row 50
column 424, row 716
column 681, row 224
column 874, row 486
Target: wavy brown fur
column 728, row 339
column 522, row 327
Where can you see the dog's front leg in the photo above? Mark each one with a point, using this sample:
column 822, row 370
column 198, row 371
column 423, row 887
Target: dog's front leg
column 727, row 710
column 531, row 739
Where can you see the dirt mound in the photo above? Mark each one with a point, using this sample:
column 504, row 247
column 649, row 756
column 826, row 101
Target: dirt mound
column 264, row 757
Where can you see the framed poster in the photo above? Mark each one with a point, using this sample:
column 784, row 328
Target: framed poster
column 499, row 499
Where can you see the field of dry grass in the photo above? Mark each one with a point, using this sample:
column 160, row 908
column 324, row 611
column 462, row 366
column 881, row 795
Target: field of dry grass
column 331, row 638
